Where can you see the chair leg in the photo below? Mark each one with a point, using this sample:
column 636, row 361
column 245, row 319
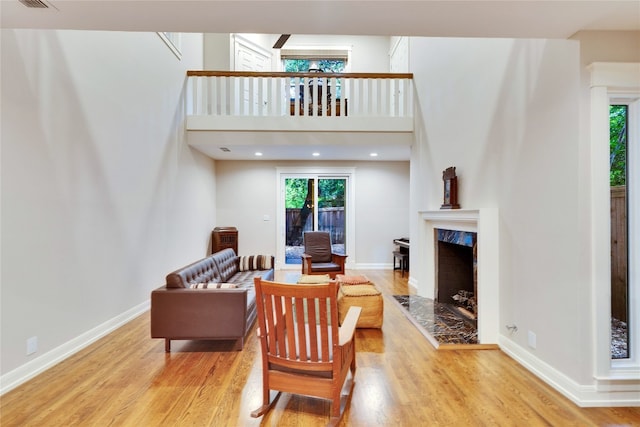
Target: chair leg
column 353, row 367
column 267, row 404
column 336, row 410
column 239, row 344
column 340, row 402
column 167, row 345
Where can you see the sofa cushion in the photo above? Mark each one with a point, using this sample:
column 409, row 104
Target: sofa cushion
column 227, row 262
column 201, row 271
column 244, row 279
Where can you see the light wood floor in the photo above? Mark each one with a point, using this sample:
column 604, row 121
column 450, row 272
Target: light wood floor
column 126, row 379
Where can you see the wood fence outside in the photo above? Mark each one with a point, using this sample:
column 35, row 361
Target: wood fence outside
column 619, row 304
column 329, row 219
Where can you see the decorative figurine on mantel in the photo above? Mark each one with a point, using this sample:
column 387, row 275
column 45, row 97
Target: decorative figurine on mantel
column 450, row 189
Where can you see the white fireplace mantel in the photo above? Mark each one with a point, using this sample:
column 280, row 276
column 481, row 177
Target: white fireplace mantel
column 485, row 223
column 459, row 219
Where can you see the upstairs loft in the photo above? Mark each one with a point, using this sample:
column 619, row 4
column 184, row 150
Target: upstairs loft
column 231, row 112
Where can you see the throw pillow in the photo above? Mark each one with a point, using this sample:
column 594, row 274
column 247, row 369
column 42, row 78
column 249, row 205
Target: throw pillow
column 213, row 285
column 312, row 279
column 255, row 262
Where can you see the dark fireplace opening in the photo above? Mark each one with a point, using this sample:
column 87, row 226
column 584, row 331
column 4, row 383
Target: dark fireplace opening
column 457, row 272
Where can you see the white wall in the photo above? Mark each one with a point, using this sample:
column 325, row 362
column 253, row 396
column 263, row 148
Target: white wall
column 101, row 196
column 247, row 190
column 217, row 52
column 370, row 54
column 506, row 114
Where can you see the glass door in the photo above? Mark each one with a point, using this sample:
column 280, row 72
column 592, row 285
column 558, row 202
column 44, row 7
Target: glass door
column 331, row 211
column 313, row 203
column 299, row 215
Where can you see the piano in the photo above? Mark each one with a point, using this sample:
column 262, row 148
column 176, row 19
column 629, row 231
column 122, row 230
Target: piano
column 401, row 253
column 403, row 244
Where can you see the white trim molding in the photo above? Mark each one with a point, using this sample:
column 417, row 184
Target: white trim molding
column 608, row 81
column 320, row 171
column 606, row 393
column 29, row 370
column 173, row 42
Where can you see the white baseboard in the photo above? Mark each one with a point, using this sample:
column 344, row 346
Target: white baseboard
column 23, row 373
column 581, row 395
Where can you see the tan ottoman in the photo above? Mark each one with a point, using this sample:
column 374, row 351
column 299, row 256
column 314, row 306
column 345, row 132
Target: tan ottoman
column 366, row 296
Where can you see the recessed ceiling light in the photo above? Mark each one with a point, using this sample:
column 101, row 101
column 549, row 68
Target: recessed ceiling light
column 258, row 153
column 373, row 154
column 316, row 154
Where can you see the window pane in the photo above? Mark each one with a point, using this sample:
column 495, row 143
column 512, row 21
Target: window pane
column 618, row 119
column 331, row 211
column 299, row 205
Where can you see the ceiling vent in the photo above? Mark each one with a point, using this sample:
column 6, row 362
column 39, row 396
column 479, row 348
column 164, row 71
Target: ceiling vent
column 34, row 3
column 225, row 149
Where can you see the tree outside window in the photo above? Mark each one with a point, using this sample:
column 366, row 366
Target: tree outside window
column 323, row 65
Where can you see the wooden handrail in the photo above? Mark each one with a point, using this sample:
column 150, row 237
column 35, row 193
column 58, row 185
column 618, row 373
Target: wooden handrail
column 277, row 93
column 195, row 73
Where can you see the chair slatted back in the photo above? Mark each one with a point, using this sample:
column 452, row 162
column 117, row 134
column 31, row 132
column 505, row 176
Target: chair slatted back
column 295, row 322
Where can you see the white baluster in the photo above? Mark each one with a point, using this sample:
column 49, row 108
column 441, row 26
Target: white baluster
column 202, row 105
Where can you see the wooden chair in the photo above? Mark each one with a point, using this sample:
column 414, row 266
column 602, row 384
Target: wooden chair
column 304, row 351
column 318, row 257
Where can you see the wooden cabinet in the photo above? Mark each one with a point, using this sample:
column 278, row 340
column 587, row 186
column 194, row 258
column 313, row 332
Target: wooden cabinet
column 224, row 237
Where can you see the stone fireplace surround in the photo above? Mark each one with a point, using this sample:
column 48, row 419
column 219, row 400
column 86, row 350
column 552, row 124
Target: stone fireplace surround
column 456, row 266
column 484, row 222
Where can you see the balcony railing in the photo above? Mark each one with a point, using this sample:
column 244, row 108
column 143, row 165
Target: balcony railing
column 331, row 96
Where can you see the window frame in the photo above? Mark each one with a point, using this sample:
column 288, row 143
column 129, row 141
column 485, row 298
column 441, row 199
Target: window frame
column 347, row 173
column 611, row 81
column 633, row 245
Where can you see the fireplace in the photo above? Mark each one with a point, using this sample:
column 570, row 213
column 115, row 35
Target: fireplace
column 456, row 267
column 484, row 225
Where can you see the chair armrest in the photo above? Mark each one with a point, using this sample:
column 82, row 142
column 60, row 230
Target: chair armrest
column 349, row 325
column 339, row 259
column 306, row 264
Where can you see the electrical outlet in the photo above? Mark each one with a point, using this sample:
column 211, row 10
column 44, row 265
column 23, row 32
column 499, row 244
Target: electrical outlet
column 32, row 345
column 532, row 339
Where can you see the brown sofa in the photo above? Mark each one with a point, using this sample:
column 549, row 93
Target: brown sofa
column 180, row 312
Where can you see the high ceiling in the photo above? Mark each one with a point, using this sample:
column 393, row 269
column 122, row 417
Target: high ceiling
column 442, row 18
column 437, row 18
